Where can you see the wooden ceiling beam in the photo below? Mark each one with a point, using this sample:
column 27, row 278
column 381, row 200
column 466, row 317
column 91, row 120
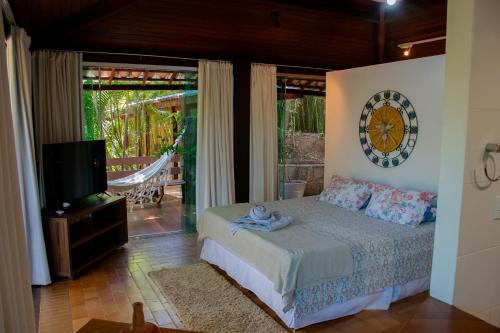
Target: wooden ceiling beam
column 111, row 76
column 306, row 87
column 174, row 76
column 344, row 8
column 145, row 77
column 381, row 34
column 300, row 93
column 77, row 21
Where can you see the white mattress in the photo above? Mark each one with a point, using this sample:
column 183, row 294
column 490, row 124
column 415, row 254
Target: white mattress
column 251, row 279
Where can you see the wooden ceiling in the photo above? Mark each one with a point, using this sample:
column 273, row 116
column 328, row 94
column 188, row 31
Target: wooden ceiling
column 330, row 34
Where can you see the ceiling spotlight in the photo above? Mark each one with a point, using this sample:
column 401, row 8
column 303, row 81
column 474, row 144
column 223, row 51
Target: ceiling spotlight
column 406, row 47
column 391, row 2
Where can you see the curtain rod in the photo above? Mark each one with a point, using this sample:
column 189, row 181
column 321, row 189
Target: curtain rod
column 172, row 57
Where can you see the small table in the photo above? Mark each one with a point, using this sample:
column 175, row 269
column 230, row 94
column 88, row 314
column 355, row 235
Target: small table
column 106, row 326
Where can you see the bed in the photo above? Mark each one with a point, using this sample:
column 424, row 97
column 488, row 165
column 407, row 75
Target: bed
column 327, row 264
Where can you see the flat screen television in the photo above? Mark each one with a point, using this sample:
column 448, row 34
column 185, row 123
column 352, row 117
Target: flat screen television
column 73, row 170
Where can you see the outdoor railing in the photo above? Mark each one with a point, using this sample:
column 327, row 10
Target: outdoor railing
column 124, row 166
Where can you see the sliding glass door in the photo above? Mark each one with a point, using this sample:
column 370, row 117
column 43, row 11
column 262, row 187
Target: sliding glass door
column 140, row 112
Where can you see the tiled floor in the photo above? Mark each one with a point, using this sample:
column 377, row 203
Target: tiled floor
column 157, row 219
column 107, row 291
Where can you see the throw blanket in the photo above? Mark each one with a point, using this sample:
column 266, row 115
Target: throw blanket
column 327, row 255
column 290, row 257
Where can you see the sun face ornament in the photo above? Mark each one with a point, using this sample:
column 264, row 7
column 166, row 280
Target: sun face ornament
column 388, row 129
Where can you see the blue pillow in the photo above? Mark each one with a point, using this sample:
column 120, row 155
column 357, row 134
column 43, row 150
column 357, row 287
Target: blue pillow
column 430, row 213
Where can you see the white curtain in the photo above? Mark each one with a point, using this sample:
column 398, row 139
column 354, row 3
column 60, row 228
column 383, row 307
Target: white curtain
column 17, row 312
column 214, row 147
column 57, row 101
column 19, row 65
column 263, row 134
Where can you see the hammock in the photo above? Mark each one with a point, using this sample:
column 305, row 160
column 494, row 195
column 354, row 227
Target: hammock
column 144, row 185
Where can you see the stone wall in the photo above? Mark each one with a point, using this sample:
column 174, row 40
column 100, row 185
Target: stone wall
column 305, row 148
column 312, row 173
column 305, row 160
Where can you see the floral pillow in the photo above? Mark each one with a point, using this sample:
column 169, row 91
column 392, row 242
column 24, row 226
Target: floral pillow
column 376, row 188
column 399, row 206
column 373, row 187
column 346, row 193
column 336, row 181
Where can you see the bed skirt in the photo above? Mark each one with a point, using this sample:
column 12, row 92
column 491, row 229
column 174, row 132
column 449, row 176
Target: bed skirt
column 251, row 279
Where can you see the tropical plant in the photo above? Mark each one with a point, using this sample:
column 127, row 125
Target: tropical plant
column 306, row 114
column 133, row 122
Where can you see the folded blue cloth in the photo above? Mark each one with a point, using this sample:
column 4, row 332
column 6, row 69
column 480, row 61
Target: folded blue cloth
column 274, row 222
column 260, row 212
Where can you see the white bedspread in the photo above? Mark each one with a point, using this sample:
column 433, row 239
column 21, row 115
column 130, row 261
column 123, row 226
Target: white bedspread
column 250, row 278
column 293, row 257
column 328, row 255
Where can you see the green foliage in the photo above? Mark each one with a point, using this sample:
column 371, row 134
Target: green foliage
column 169, row 148
column 307, row 114
column 297, row 115
column 132, row 122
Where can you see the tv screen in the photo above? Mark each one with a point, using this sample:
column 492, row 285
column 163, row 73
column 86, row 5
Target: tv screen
column 73, row 171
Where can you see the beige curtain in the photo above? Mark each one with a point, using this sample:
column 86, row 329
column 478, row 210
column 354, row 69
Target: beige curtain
column 263, row 134
column 19, row 67
column 57, row 96
column 57, row 101
column 17, row 313
column 214, row 147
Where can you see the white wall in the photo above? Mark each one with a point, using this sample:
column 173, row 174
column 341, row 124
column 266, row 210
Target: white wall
column 454, row 137
column 466, row 262
column 422, row 82
column 472, row 94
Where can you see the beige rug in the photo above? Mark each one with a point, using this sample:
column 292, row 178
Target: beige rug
column 206, row 301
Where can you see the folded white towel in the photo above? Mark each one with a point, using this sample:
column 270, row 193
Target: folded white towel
column 275, row 222
column 260, row 212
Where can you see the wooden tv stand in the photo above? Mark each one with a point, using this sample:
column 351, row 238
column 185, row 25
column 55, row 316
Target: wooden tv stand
column 86, row 232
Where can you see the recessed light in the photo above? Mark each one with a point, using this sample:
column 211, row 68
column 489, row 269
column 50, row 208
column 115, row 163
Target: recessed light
column 391, row 2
